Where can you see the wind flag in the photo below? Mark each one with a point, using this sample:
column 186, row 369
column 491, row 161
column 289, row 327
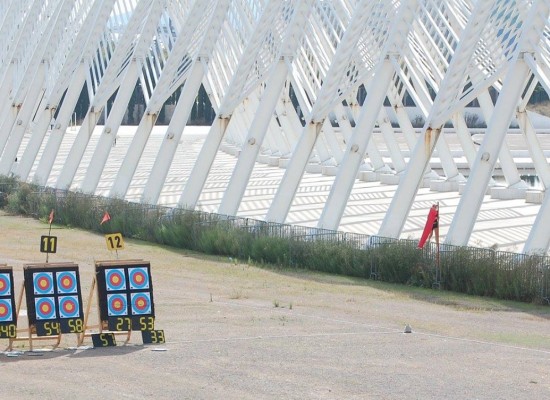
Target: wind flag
column 50, row 219
column 106, row 217
column 432, row 224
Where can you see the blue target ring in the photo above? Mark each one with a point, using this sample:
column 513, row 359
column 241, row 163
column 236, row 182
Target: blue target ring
column 66, row 282
column 6, row 311
column 141, row 303
column 43, row 283
column 68, row 307
column 115, row 279
column 5, row 285
column 45, row 307
column 139, row 278
column 117, row 305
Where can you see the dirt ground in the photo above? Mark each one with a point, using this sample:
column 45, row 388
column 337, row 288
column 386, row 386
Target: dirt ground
column 235, row 331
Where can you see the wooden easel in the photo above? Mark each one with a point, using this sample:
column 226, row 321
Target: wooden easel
column 30, row 330
column 100, row 326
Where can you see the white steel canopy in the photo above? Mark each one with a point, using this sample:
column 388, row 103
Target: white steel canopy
column 300, row 84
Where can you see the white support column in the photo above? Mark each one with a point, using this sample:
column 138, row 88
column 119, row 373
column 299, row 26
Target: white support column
column 535, row 149
column 245, row 164
column 11, row 144
column 356, row 147
column 201, row 168
column 465, row 138
column 77, row 151
column 405, row 125
column 468, row 207
column 169, row 145
column 391, row 142
column 112, row 124
column 373, row 154
column 293, row 174
column 61, row 123
column 506, row 160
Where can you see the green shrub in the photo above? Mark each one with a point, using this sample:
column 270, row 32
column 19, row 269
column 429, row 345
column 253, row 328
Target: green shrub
column 481, row 272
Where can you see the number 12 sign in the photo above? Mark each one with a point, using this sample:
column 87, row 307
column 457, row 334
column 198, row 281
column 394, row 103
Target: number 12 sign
column 114, row 241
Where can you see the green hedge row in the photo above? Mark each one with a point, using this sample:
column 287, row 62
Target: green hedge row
column 460, row 269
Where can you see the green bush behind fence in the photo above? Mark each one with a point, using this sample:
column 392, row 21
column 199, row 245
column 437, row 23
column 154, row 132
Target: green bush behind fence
column 470, row 270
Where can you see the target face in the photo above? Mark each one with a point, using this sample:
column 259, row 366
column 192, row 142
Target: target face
column 43, row 283
column 5, row 286
column 117, row 305
column 141, row 303
column 66, row 282
column 45, row 308
column 139, row 278
column 6, row 311
column 69, row 307
column 115, row 279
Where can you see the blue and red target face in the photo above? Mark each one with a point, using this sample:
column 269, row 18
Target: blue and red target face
column 53, row 293
column 7, row 302
column 125, row 290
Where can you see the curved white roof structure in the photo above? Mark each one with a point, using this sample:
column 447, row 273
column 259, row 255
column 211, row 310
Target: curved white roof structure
column 283, row 77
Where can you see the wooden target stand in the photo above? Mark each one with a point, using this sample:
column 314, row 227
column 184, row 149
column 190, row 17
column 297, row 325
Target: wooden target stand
column 100, row 328
column 107, row 324
column 53, row 328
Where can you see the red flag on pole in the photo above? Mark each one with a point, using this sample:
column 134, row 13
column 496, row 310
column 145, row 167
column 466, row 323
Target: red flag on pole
column 106, row 217
column 432, row 223
column 50, row 220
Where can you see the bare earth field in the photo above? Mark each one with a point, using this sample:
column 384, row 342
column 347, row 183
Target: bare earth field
column 235, row 331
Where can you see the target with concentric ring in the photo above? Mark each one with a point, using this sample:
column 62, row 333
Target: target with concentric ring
column 43, row 283
column 115, row 279
column 45, row 308
column 67, row 282
column 6, row 311
column 139, row 278
column 69, row 307
column 5, row 285
column 141, row 303
column 117, row 305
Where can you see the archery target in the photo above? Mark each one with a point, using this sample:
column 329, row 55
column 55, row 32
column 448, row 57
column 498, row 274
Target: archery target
column 43, row 283
column 115, row 279
column 117, row 305
column 45, row 308
column 5, row 285
column 68, row 307
column 6, row 311
column 66, row 282
column 141, row 303
column 139, row 278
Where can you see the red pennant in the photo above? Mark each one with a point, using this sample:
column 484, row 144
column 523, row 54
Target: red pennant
column 50, row 220
column 432, row 223
column 106, row 217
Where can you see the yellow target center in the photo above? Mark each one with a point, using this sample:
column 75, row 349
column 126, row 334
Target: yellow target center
column 141, row 303
column 2, row 285
column 115, row 279
column 66, row 282
column 69, row 307
column 139, row 278
column 3, row 310
column 43, row 283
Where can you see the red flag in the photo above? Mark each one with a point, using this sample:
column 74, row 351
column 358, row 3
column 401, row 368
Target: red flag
column 50, row 220
column 432, row 223
column 106, row 217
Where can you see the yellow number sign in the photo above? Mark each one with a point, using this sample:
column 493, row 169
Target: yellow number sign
column 114, row 241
